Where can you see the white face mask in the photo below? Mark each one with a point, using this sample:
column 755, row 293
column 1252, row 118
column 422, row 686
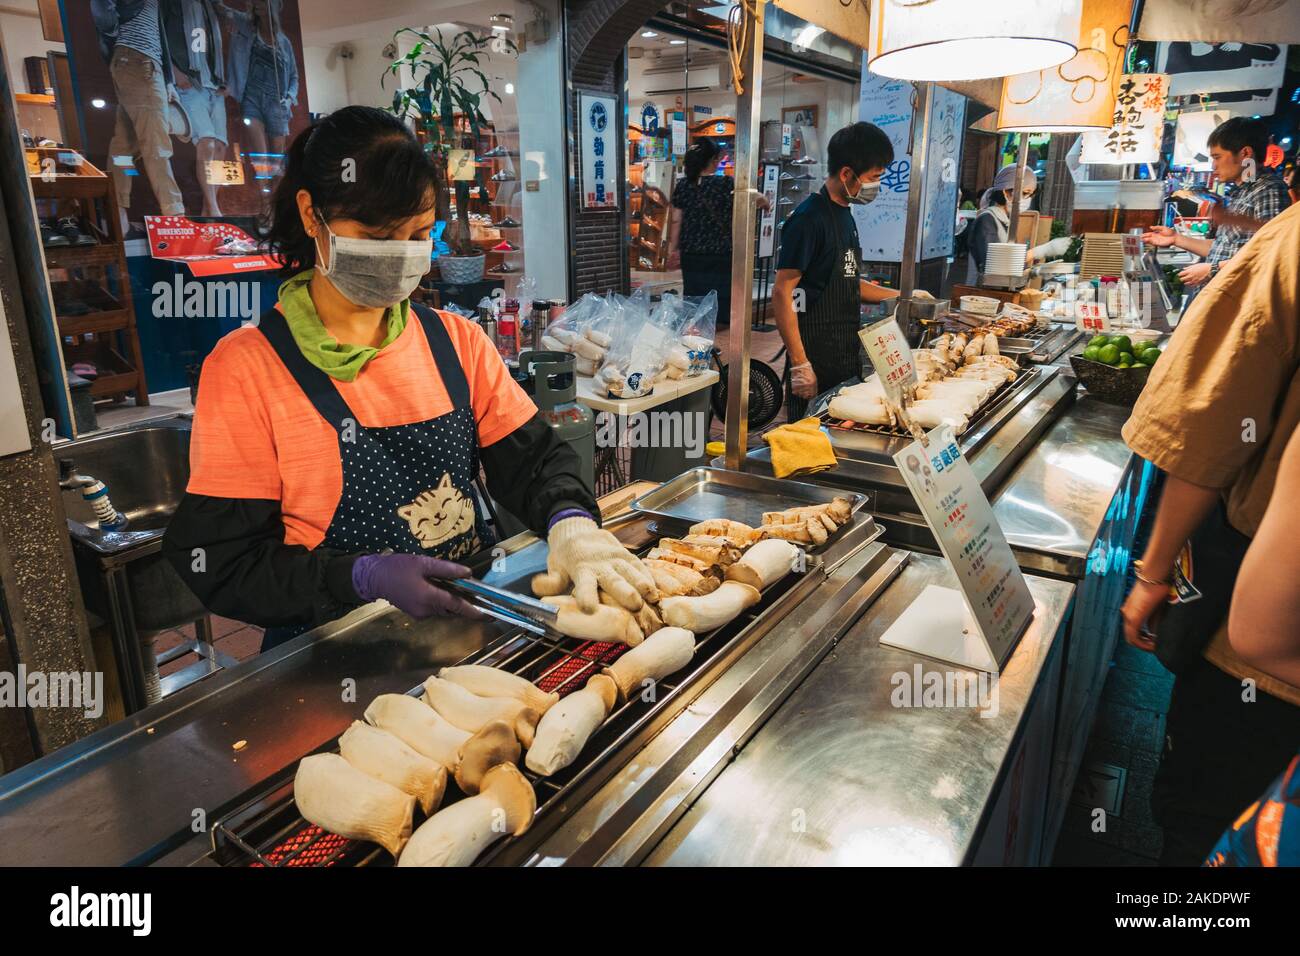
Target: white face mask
column 375, row 273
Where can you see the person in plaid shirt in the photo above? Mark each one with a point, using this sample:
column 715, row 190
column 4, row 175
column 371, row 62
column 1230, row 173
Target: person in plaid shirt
column 1255, row 196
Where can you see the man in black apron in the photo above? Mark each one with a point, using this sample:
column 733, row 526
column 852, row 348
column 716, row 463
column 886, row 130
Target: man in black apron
column 818, row 291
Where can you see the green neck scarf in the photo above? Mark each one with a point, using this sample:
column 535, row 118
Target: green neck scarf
column 335, row 359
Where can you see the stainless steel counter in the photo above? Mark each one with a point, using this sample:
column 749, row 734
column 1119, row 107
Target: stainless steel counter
column 839, row 775
column 127, row 793
column 1053, row 504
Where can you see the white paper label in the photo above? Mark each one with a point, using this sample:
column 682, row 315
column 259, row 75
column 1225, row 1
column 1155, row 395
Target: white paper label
column 891, row 357
column 767, row 219
column 1091, row 317
column 679, row 137
column 962, row 521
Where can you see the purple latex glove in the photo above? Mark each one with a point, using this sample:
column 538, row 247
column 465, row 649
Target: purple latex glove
column 406, row 581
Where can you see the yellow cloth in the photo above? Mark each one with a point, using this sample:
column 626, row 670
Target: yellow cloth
column 800, row 448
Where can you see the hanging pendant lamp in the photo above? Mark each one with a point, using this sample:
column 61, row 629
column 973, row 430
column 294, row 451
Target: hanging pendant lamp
column 951, row 40
column 1078, row 95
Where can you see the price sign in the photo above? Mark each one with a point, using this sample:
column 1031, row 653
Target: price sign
column 767, row 219
column 787, row 139
column 1091, row 317
column 891, row 357
column 679, row 137
column 993, row 589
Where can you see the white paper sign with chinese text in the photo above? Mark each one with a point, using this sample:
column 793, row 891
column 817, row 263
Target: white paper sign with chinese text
column 891, row 357
column 955, row 507
column 599, row 138
column 1139, row 124
column 679, row 137
column 1091, row 317
column 767, row 219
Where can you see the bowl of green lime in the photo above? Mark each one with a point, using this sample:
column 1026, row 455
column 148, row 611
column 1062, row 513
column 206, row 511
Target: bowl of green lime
column 1114, row 368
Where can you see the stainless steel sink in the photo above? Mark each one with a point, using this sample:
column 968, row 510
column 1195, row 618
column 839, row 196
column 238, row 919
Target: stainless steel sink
column 146, row 470
column 124, row 577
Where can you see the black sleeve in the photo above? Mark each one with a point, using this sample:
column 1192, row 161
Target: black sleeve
column 534, row 474
column 799, row 243
column 231, row 553
column 985, row 232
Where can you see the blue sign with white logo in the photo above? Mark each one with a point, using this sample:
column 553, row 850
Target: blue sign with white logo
column 649, row 118
column 599, row 158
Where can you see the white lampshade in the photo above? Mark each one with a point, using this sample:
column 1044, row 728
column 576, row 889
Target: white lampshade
column 962, row 40
column 1079, row 94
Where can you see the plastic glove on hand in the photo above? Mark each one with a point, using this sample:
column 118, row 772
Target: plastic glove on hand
column 581, row 553
column 406, row 581
column 803, row 380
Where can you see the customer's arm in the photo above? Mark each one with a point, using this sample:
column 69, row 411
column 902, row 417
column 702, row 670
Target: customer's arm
column 1264, row 620
column 1183, row 506
column 1212, row 401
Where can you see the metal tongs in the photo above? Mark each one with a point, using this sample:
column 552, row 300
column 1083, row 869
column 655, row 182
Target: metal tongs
column 517, row 609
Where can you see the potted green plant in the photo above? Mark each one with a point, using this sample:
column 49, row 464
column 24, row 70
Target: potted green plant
column 446, row 110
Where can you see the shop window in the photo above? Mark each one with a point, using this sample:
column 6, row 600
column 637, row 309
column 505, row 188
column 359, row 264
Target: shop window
column 155, row 145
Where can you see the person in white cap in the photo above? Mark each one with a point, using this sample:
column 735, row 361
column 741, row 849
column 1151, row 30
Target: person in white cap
column 993, row 223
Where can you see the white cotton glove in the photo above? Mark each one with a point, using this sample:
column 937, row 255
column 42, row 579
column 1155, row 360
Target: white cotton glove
column 803, row 380
column 593, row 560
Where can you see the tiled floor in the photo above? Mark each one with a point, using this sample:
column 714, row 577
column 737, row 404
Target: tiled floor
column 1126, row 742
column 1122, row 755
column 240, row 641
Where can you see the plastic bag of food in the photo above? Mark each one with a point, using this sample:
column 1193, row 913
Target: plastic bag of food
column 698, row 330
column 581, row 331
column 639, row 342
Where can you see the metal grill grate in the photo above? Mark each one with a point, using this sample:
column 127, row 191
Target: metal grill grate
column 268, row 830
column 986, row 409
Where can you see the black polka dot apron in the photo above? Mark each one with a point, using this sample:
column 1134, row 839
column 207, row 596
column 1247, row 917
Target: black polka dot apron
column 406, row 488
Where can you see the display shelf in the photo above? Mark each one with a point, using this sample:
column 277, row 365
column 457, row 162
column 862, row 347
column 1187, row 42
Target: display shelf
column 95, row 283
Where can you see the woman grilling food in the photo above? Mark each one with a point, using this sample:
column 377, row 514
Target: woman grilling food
column 336, row 443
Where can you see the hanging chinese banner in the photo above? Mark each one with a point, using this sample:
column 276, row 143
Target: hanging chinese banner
column 1139, row 123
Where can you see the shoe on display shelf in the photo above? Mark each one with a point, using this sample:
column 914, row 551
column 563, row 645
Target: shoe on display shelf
column 71, row 230
column 508, row 223
column 505, row 176
column 505, row 245
column 504, row 269
column 803, row 161
column 51, row 239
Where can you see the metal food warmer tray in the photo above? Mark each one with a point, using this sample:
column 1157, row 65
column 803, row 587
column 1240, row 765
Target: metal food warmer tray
column 998, row 435
column 266, row 829
column 1041, row 345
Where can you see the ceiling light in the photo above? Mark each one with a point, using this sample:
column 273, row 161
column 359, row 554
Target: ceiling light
column 948, row 40
column 648, row 34
column 676, row 42
column 98, row 104
column 510, row 89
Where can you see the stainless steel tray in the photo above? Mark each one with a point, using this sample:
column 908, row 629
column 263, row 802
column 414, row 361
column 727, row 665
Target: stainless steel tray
column 704, row 493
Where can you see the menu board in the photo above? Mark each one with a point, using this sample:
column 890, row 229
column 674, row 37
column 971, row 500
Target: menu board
column 888, row 103
column 942, row 172
column 959, row 515
column 1139, row 123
